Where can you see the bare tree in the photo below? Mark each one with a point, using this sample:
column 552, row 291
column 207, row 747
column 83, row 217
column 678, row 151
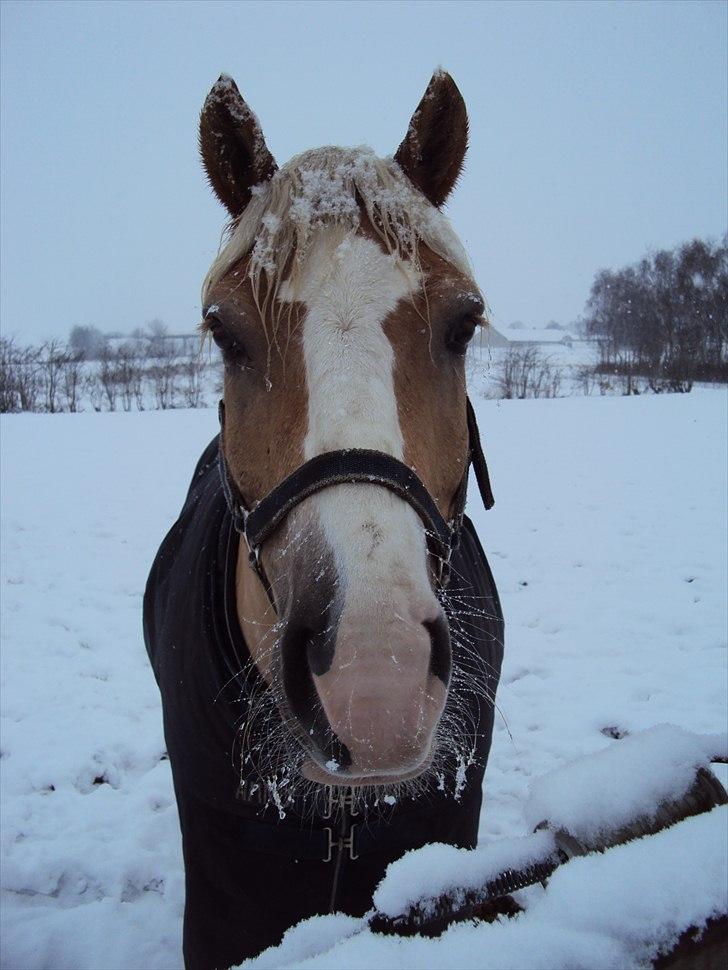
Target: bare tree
column 523, row 372
column 51, row 360
column 192, row 370
column 162, row 373
column 129, row 375
column 9, row 397
column 550, row 378
column 28, row 379
column 107, row 376
column 141, row 375
column 157, row 329
column 587, row 379
column 94, row 390
column 508, row 372
column 72, row 379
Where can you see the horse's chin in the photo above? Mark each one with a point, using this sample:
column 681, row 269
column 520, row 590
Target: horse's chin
column 346, row 779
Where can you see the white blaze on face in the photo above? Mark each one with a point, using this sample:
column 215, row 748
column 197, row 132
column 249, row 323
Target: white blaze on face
column 348, row 290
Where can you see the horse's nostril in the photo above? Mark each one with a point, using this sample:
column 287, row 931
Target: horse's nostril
column 441, row 654
column 298, row 653
column 320, row 649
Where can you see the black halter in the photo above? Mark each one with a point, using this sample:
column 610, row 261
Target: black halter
column 349, row 466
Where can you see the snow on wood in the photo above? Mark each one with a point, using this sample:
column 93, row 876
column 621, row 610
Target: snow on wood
column 603, row 792
column 436, row 869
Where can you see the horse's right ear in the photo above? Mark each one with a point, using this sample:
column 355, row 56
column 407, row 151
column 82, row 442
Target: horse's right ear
column 433, row 150
column 232, row 146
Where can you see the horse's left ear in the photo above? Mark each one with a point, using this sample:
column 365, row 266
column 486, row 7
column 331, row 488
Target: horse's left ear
column 433, row 150
column 232, row 146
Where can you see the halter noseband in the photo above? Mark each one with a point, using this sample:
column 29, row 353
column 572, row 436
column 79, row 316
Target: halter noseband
column 349, row 466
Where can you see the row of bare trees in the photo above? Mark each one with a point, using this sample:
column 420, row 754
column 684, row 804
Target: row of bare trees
column 137, row 374
column 665, row 318
column 525, row 371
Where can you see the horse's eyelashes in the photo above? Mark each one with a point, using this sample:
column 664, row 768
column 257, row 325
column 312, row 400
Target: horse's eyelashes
column 231, row 347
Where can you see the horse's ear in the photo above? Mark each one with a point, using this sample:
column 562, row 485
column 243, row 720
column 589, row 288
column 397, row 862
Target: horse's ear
column 232, row 146
column 434, row 147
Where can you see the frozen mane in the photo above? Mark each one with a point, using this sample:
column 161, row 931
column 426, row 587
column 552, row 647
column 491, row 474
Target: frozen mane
column 330, row 187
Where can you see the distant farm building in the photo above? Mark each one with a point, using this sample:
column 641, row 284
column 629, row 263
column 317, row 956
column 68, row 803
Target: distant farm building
column 488, row 337
column 548, row 336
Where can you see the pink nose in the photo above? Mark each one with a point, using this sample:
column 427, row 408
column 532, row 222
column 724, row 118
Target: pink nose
column 385, row 691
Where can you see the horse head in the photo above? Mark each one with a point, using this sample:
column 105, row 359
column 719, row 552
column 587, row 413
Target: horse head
column 343, row 304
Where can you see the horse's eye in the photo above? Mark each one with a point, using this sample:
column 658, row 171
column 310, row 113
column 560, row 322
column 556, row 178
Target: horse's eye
column 232, row 349
column 461, row 334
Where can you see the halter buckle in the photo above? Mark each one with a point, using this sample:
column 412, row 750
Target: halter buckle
column 254, row 553
column 443, row 573
column 456, row 527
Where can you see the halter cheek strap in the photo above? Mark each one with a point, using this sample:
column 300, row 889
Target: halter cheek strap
column 350, row 466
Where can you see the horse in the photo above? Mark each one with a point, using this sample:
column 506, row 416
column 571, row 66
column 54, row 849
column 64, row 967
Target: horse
column 321, row 619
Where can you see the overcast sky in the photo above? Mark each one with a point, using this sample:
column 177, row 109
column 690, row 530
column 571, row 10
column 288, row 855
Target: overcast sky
column 597, row 130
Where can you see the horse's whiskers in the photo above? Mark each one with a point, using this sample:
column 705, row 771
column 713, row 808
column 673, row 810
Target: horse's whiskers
column 268, row 739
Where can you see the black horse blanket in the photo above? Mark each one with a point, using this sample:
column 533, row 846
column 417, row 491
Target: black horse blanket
column 257, row 861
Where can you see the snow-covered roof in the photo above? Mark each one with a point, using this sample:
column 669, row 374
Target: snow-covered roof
column 539, row 335
column 490, row 337
column 182, row 338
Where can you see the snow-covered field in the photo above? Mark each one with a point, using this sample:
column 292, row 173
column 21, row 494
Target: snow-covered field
column 608, row 545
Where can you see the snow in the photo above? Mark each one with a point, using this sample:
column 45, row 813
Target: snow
column 607, row 543
column 424, row 874
column 613, row 911
column 309, row 938
column 601, row 793
column 591, row 798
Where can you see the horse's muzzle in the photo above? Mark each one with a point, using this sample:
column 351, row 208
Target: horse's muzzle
column 366, row 690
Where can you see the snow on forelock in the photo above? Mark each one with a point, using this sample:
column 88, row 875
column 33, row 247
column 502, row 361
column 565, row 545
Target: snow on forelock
column 324, row 196
column 329, row 187
column 421, row 875
column 603, row 792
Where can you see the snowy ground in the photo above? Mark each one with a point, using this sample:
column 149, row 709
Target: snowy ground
column 607, row 542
